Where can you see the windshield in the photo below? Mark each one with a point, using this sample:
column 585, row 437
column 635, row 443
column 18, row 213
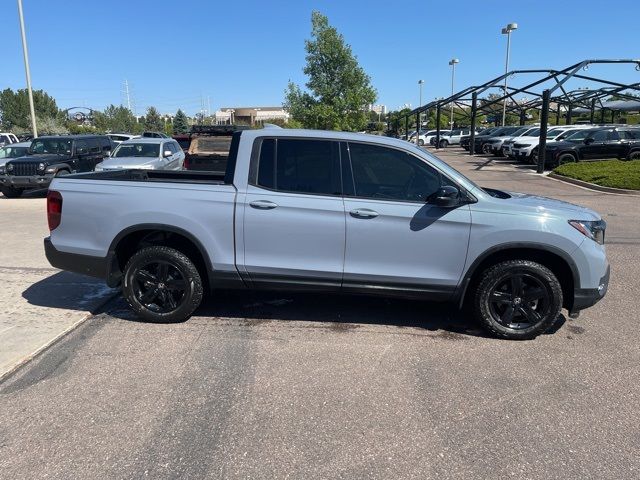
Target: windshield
column 137, row 150
column 555, row 132
column 578, row 136
column 487, row 131
column 57, row 146
column 520, row 131
column 12, row 152
column 533, row 132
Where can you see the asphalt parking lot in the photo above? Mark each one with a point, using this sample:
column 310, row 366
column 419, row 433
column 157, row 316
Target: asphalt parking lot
column 315, row 386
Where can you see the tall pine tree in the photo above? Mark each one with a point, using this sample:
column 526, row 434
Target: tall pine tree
column 152, row 121
column 180, row 123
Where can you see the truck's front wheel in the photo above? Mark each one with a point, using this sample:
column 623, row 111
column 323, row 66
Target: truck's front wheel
column 162, row 285
column 518, row 299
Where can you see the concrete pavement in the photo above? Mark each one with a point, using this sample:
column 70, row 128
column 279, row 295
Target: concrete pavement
column 38, row 302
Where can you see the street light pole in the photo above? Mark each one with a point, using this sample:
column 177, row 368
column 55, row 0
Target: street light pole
column 420, row 83
column 507, row 31
column 25, row 53
column 452, row 62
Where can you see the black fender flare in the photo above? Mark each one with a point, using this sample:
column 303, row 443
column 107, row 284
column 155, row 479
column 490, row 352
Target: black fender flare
column 461, row 291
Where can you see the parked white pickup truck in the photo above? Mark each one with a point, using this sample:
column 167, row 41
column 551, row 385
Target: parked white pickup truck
column 334, row 212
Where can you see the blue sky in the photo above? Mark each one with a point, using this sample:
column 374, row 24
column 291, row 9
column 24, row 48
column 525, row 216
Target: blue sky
column 243, row 53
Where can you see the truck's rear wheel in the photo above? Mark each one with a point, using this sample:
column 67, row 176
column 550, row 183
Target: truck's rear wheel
column 162, row 285
column 12, row 192
column 518, row 299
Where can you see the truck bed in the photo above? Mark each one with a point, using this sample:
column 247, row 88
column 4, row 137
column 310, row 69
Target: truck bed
column 164, row 176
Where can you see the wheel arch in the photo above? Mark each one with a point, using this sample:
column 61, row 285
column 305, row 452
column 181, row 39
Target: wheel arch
column 131, row 239
column 555, row 259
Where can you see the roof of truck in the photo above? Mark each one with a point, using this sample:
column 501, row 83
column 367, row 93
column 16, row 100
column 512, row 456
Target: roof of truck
column 328, row 134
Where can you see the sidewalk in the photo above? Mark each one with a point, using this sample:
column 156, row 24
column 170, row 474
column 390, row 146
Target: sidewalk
column 38, row 302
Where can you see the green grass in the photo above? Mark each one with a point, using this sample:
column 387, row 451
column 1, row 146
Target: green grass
column 611, row 173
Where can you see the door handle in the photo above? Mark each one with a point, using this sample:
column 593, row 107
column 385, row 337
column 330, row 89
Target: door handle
column 363, row 213
column 263, row 204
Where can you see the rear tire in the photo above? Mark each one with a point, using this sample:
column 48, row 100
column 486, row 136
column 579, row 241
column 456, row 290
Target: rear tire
column 444, row 143
column 634, row 155
column 12, row 192
column 518, row 299
column 421, row 143
column 162, row 285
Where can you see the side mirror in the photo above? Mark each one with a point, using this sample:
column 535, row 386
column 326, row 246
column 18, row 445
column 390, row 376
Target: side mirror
column 446, row 196
column 588, row 141
column 167, row 153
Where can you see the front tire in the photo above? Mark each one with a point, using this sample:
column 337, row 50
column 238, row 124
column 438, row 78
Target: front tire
column 518, row 299
column 12, row 192
column 486, row 149
column 634, row 155
column 566, row 158
column 444, row 143
column 162, row 285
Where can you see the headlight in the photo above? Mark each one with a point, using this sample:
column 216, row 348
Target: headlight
column 99, row 168
column 41, row 166
column 593, row 229
column 10, row 167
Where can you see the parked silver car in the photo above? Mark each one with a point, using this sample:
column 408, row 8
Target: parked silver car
column 146, row 154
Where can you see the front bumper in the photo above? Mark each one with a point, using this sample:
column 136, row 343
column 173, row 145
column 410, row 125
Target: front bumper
column 588, row 297
column 34, row 181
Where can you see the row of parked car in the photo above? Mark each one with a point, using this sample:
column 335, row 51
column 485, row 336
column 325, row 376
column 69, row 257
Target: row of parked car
column 34, row 164
column 567, row 143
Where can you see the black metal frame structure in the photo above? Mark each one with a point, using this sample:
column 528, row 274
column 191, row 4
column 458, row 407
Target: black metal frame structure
column 468, row 101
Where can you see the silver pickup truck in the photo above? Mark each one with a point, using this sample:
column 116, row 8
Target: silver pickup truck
column 335, row 212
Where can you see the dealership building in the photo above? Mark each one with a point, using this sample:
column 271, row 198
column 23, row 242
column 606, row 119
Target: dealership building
column 250, row 115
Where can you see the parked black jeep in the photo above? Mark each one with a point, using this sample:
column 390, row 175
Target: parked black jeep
column 595, row 144
column 50, row 157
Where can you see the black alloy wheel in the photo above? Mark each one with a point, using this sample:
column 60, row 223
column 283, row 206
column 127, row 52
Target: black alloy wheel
column 162, row 284
column 159, row 286
column 518, row 299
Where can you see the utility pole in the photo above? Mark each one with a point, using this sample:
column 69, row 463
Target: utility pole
column 25, row 53
column 126, row 94
column 507, row 31
column 419, row 121
column 452, row 62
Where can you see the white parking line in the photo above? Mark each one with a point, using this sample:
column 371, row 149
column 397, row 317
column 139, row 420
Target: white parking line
column 7, row 329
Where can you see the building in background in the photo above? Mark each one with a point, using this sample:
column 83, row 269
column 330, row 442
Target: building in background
column 250, row 115
column 379, row 109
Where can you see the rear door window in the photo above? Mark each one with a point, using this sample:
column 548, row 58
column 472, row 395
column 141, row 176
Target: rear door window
column 300, row 166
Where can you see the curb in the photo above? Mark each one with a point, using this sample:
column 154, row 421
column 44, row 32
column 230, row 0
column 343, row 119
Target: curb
column 593, row 186
column 5, row 376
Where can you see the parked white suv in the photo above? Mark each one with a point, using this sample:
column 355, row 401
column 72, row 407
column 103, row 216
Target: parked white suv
column 451, row 138
column 7, row 138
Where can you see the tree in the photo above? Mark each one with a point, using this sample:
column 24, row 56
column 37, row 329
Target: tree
column 180, row 122
column 115, row 119
column 338, row 90
column 14, row 108
column 153, row 121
